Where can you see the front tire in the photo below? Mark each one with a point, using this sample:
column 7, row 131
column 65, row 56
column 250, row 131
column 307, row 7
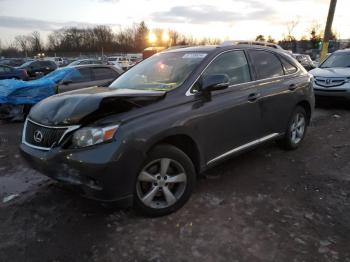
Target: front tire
column 165, row 181
column 296, row 131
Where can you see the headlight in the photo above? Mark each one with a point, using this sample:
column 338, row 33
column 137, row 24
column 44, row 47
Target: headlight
column 89, row 136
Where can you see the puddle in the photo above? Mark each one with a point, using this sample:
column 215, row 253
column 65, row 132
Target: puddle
column 19, row 181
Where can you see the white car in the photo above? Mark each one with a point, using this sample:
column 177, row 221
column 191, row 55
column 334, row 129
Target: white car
column 123, row 61
column 58, row 60
column 332, row 77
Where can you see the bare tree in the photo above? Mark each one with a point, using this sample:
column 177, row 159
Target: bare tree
column 35, row 42
column 23, row 42
column 291, row 25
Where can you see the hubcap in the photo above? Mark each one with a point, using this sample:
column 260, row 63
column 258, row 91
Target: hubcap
column 298, row 128
column 161, row 183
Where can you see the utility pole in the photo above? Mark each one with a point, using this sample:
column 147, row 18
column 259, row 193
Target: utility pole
column 328, row 30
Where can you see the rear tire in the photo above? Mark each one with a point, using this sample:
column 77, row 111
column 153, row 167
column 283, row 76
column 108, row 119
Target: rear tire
column 165, row 181
column 296, row 131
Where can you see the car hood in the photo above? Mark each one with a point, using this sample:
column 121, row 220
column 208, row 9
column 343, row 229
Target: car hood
column 89, row 104
column 330, row 72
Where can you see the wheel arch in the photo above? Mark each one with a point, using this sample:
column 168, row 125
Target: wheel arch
column 307, row 107
column 186, row 144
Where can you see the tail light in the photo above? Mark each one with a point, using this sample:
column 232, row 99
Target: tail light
column 24, row 73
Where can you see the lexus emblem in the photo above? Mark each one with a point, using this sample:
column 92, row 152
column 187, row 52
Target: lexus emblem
column 38, row 136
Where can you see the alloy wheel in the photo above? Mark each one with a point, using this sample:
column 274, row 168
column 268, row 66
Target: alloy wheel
column 161, row 183
column 298, row 128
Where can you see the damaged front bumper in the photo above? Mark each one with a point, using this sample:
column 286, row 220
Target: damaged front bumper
column 98, row 172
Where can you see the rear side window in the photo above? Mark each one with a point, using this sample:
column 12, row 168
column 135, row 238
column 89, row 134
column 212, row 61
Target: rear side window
column 266, row 64
column 104, row 73
column 81, row 75
column 234, row 64
column 288, row 67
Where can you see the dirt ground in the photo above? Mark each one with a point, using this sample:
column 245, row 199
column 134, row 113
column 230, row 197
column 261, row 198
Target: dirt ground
column 265, row 205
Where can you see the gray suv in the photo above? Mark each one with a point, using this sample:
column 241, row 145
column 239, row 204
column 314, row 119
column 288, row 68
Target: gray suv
column 143, row 140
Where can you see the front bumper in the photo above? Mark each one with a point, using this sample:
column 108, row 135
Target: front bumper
column 338, row 91
column 99, row 172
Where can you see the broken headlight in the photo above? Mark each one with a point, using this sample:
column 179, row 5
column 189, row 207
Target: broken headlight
column 89, row 136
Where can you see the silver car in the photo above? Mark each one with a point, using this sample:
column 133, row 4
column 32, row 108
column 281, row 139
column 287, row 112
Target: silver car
column 332, row 77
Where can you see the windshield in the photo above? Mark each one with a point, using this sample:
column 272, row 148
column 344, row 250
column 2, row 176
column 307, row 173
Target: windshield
column 59, row 74
column 337, row 60
column 160, row 72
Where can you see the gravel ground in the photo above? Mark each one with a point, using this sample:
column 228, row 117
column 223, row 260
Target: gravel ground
column 265, row 205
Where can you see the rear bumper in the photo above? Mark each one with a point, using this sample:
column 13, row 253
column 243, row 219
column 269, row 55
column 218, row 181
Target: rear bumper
column 99, row 172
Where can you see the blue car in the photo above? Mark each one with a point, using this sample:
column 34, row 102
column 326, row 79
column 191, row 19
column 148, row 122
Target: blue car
column 17, row 96
column 8, row 72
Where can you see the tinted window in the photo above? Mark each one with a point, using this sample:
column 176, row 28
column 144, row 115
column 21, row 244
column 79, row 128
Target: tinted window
column 288, row 67
column 81, row 75
column 47, row 64
column 4, row 69
column 266, row 64
column 233, row 64
column 104, row 73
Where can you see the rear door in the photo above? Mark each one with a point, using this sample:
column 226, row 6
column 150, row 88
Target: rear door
column 276, row 86
column 231, row 118
column 80, row 78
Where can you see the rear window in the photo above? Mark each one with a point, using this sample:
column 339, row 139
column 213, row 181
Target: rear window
column 266, row 64
column 288, row 67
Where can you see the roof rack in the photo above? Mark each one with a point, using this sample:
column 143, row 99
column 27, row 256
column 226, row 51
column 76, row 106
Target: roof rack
column 245, row 42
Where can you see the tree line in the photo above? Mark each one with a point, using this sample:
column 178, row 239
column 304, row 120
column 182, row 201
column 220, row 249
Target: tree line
column 97, row 39
column 102, row 39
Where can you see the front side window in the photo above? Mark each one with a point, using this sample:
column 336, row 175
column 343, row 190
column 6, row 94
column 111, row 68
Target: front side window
column 266, row 64
column 163, row 71
column 233, row 64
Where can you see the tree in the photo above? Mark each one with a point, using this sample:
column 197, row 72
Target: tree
column 315, row 35
column 23, row 42
column 260, row 38
column 141, row 37
column 290, row 30
column 36, row 45
column 271, row 40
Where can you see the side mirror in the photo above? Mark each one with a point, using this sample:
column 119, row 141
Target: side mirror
column 215, row 82
column 66, row 82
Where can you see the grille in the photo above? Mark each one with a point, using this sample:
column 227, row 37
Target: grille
column 42, row 136
column 330, row 82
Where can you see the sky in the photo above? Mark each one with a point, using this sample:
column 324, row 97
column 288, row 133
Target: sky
column 224, row 19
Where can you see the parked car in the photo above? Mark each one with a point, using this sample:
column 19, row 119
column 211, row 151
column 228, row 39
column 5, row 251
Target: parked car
column 305, row 61
column 332, row 77
column 14, row 93
column 144, row 138
column 7, row 72
column 12, row 61
column 122, row 61
column 38, row 68
column 58, row 60
column 86, row 62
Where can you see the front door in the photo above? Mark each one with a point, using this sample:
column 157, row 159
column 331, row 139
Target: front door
column 231, row 118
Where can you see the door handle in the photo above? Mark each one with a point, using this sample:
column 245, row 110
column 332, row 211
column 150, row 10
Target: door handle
column 292, row 87
column 253, row 97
